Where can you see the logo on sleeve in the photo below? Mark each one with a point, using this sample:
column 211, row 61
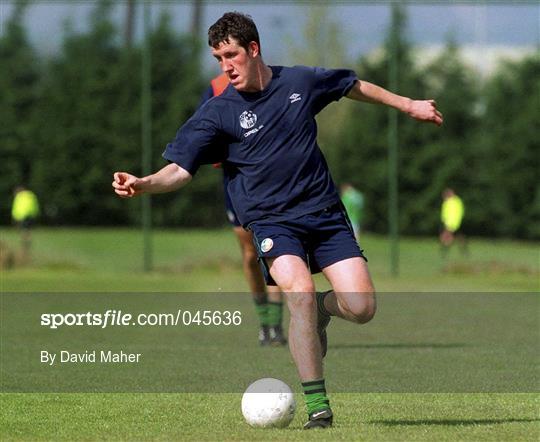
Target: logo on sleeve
column 266, row 245
column 248, row 119
column 295, row 97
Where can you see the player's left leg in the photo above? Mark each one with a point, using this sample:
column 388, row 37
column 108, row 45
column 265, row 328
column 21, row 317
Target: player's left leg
column 352, row 297
column 336, row 252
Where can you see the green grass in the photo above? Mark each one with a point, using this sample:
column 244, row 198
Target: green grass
column 404, row 376
column 197, row 260
column 387, row 417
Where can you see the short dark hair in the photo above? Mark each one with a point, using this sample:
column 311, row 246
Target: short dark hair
column 239, row 26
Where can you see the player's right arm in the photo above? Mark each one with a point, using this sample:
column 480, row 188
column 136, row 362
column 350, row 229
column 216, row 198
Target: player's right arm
column 169, row 178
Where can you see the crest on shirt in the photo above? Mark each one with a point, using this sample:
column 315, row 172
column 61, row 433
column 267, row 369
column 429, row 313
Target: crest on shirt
column 248, row 119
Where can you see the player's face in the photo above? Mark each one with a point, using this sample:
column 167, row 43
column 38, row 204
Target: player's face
column 238, row 64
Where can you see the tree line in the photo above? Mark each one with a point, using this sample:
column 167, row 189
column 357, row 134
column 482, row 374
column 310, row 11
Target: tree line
column 69, row 120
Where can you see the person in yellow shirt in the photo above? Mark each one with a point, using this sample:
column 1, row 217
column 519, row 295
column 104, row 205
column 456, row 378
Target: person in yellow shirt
column 452, row 212
column 24, row 211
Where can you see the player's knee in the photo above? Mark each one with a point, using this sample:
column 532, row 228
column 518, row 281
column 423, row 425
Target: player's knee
column 362, row 316
column 362, row 309
column 365, row 315
column 300, row 290
column 301, row 302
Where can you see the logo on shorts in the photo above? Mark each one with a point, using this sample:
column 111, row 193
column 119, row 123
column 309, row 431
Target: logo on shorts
column 267, row 245
column 248, row 119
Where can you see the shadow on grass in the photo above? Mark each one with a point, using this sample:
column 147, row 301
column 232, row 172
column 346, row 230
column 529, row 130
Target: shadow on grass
column 449, row 422
column 401, row 345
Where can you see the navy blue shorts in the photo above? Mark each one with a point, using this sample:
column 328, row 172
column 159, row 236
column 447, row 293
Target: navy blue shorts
column 320, row 239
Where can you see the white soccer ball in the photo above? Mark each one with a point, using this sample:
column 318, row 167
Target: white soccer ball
column 268, row 402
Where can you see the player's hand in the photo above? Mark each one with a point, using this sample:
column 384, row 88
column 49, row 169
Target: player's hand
column 425, row 110
column 126, row 185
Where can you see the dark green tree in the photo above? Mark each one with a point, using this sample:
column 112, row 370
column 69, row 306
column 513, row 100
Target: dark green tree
column 430, row 158
column 19, row 79
column 177, row 86
column 363, row 143
column 88, row 122
column 445, row 157
column 508, row 189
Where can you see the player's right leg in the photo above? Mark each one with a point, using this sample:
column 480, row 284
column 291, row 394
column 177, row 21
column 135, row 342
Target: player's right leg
column 281, row 251
column 293, row 276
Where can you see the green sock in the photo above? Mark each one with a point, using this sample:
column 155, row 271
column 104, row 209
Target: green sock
column 261, row 307
column 275, row 313
column 315, row 396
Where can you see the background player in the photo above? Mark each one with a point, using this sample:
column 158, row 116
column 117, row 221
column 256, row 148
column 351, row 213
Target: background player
column 353, row 200
column 24, row 212
column 268, row 299
column 452, row 213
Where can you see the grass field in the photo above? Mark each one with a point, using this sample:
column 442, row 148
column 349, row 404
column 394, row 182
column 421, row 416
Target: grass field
column 111, row 260
column 426, row 370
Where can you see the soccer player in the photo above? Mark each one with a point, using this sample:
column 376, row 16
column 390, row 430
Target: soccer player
column 452, row 212
column 24, row 211
column 262, row 128
column 268, row 301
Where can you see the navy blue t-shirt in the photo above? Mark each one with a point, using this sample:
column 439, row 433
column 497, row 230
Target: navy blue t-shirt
column 267, row 142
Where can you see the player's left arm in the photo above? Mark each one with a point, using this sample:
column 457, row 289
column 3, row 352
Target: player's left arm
column 421, row 110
